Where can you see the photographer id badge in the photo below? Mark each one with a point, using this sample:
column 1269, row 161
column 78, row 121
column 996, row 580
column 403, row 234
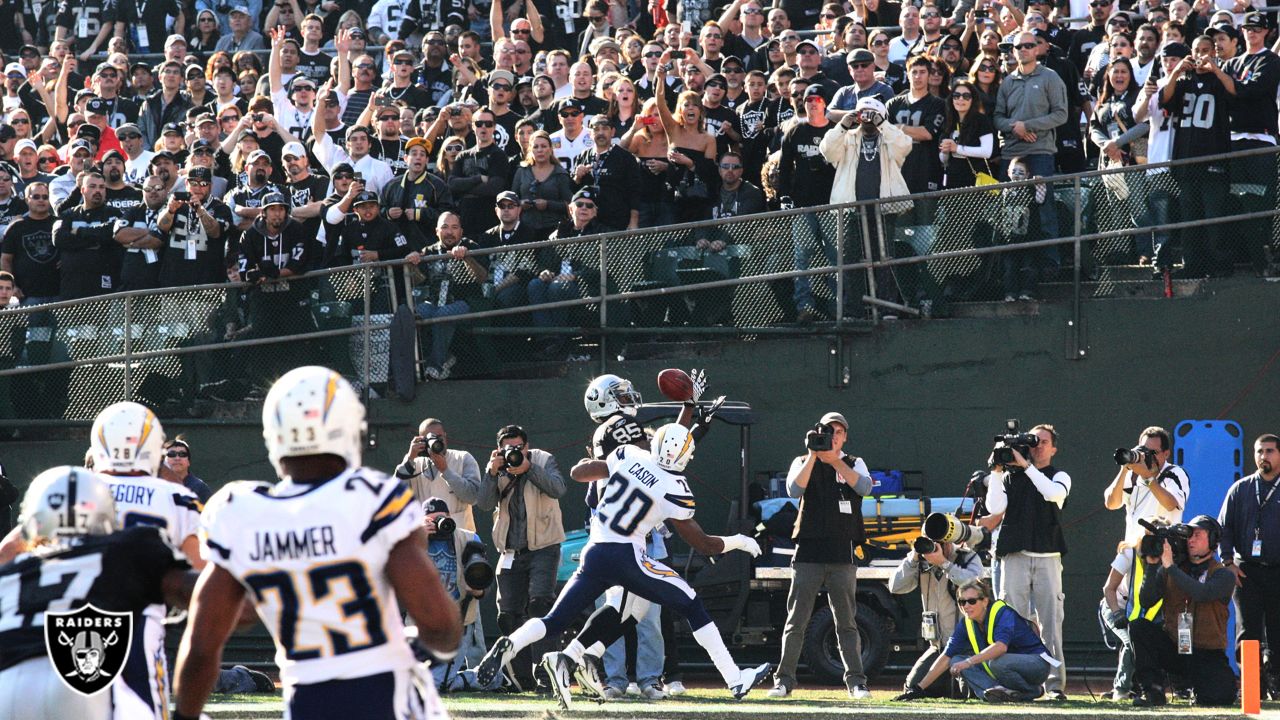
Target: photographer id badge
column 1257, row 543
column 929, row 626
column 1184, row 633
column 846, row 507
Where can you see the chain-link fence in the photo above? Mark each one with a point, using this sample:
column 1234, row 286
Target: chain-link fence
column 835, row 269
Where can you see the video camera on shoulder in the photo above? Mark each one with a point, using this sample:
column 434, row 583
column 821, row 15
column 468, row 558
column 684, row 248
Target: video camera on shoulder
column 1153, row 545
column 1011, row 440
column 1139, row 455
column 820, row 439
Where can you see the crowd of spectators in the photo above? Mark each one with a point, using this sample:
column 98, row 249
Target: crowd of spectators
column 141, row 142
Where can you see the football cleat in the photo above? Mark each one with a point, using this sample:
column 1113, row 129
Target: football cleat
column 556, row 665
column 590, row 676
column 498, row 657
column 749, row 678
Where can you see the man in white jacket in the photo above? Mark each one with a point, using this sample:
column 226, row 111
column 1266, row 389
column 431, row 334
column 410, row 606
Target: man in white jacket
column 868, row 151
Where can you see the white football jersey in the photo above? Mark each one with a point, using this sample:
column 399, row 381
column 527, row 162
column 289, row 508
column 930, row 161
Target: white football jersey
column 313, row 559
column 638, row 496
column 144, row 500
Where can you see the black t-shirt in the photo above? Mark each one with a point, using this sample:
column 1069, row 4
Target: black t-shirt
column 803, row 173
column 35, row 259
column 122, row 572
column 504, row 133
column 922, row 169
column 315, row 66
column 867, row 185
column 121, row 110
column 391, row 152
column 15, row 206
column 617, row 174
column 718, row 119
column 302, row 193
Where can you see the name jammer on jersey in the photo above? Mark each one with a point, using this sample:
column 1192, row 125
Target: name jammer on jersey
column 291, row 545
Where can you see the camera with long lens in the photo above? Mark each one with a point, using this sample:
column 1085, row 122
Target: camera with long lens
column 435, row 443
column 1141, row 454
column 923, row 545
column 820, row 439
column 1153, row 545
column 1011, row 440
column 476, row 568
column 513, row 456
column 945, row 528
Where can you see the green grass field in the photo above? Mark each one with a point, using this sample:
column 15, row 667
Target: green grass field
column 706, row 704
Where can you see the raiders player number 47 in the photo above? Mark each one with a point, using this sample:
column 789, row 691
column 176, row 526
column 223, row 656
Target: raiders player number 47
column 329, row 556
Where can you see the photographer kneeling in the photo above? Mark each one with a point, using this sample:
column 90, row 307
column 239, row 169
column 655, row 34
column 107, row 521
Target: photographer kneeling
column 522, row 488
column 459, row 556
column 1194, row 589
column 937, row 569
column 995, row 650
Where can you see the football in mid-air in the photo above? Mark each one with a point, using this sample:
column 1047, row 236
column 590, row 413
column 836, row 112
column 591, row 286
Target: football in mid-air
column 675, row 384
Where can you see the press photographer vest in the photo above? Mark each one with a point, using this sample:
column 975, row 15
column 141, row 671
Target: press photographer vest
column 820, row 517
column 1209, row 619
column 1031, row 523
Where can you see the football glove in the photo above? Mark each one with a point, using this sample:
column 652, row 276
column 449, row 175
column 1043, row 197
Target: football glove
column 699, row 378
column 740, row 542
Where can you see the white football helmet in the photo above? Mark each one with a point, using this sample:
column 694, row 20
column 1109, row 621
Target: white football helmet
column 312, row 410
column 608, row 395
column 126, row 438
column 67, row 501
column 672, row 447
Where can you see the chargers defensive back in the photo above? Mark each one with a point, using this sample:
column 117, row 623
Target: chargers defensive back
column 329, row 555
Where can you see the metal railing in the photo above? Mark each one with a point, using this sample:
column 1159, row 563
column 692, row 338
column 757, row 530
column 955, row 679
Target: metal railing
column 853, row 263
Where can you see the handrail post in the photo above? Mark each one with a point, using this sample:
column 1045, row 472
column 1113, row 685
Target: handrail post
column 604, row 305
column 866, row 255
column 391, row 286
column 839, row 263
column 128, row 347
column 1077, row 352
column 367, row 276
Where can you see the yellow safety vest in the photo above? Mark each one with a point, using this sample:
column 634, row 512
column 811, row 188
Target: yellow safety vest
column 992, row 612
column 1135, row 583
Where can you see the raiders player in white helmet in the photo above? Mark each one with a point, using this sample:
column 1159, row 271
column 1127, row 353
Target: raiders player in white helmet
column 329, row 555
column 72, row 535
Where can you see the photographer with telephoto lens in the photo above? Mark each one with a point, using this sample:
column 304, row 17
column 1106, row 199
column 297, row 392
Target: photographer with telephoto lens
column 937, row 569
column 830, row 484
column 433, row 470
column 459, row 556
column 522, row 488
column 1193, row 591
column 1030, row 492
column 1147, row 486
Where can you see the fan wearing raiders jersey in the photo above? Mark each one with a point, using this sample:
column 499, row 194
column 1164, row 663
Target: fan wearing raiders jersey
column 1196, row 98
column 69, row 520
column 643, row 491
column 329, row 556
column 85, row 23
column 126, row 443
